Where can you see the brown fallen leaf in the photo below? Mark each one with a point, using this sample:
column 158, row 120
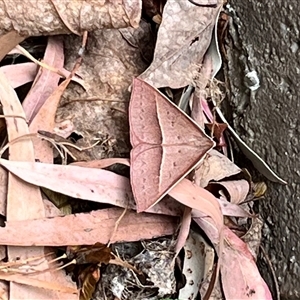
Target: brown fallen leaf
column 8, row 40
column 89, row 278
column 167, row 144
column 94, row 254
column 102, row 163
column 96, row 226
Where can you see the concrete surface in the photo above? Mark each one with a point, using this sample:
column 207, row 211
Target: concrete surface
column 267, row 40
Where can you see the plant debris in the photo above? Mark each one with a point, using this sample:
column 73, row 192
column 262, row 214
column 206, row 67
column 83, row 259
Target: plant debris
column 109, row 190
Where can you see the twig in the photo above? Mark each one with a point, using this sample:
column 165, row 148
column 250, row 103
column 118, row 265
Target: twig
column 117, row 225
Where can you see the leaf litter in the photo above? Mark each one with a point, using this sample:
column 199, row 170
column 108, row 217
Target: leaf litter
column 177, row 204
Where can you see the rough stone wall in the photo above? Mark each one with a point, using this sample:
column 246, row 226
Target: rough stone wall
column 270, row 120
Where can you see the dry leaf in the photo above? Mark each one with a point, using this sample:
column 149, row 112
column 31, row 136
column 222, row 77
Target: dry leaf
column 184, row 229
column 8, row 40
column 94, row 254
column 3, row 290
column 233, row 210
column 85, row 183
column 30, row 205
column 45, row 120
column 215, row 166
column 3, row 190
column 199, row 199
column 236, row 189
column 183, row 38
column 33, row 282
column 102, row 163
column 46, row 81
column 20, row 74
column 198, row 262
column 240, row 276
column 96, row 226
column 89, row 278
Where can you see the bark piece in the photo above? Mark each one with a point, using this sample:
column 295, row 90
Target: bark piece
column 34, row 18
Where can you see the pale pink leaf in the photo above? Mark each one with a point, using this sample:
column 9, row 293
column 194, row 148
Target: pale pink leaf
column 20, row 74
column 87, row 229
column 46, row 81
column 45, row 120
column 3, row 190
column 240, row 275
column 232, row 209
column 199, row 199
column 184, row 229
column 37, row 283
column 85, row 183
column 30, row 204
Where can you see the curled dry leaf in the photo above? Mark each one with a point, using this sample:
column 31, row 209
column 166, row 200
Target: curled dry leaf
column 78, row 15
column 89, row 227
column 184, row 229
column 236, row 189
column 197, row 265
column 167, row 144
column 233, row 210
column 215, row 166
column 89, row 278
